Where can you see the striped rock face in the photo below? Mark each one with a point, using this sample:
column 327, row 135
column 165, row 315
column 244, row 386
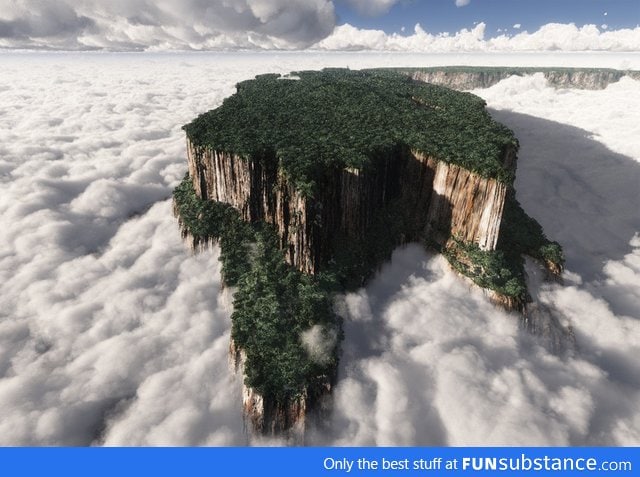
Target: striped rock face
column 443, row 199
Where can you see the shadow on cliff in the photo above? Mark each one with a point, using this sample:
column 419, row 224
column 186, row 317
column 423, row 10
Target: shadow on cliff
column 585, row 196
column 381, row 286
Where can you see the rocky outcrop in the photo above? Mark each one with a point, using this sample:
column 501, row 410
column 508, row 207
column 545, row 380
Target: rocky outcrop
column 472, row 78
column 269, row 418
column 540, row 318
column 466, row 206
column 444, row 199
column 266, row 417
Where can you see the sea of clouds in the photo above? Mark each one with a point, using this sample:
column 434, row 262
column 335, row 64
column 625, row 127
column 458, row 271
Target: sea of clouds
column 112, row 333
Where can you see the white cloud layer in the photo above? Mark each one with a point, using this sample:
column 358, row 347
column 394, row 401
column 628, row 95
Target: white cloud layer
column 111, row 333
column 550, row 37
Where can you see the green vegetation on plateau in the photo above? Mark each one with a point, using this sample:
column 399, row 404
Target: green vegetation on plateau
column 341, row 118
column 274, row 303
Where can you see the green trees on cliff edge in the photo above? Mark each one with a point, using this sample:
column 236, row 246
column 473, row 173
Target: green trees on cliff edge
column 274, row 304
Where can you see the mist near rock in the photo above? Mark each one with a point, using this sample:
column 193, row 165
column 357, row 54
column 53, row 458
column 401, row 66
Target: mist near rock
column 319, row 343
column 111, row 333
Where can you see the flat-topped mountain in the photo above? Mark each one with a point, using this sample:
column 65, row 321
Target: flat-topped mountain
column 309, row 182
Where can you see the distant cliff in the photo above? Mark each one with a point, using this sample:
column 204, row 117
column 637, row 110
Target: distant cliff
column 310, row 184
column 465, row 78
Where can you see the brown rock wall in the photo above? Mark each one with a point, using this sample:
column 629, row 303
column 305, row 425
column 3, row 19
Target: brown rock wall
column 445, row 198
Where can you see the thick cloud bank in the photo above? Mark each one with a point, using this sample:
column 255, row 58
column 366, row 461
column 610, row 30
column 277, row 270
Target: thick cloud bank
column 550, row 37
column 164, row 24
column 134, row 25
column 111, row 333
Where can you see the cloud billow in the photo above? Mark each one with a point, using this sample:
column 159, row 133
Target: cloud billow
column 47, row 20
column 167, row 24
column 549, row 37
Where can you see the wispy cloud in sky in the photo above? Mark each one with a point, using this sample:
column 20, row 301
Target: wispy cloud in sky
column 372, row 7
column 380, row 7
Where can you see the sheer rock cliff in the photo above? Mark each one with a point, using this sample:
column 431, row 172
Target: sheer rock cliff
column 447, row 199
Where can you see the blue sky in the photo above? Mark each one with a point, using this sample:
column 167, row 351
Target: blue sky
column 438, row 16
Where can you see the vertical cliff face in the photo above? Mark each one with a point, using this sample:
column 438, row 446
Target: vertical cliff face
column 259, row 193
column 461, row 78
column 465, row 205
column 442, row 199
column 445, row 199
column 266, row 417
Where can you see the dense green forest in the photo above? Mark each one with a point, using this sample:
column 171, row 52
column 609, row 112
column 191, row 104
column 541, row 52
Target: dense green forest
column 274, row 304
column 342, row 118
